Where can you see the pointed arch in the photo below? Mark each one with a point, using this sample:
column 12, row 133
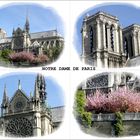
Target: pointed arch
column 125, row 47
column 112, row 37
column 91, row 39
column 106, row 41
column 131, row 46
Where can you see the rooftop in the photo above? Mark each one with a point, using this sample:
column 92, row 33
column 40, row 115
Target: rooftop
column 57, row 113
column 44, row 34
column 102, row 13
column 132, row 26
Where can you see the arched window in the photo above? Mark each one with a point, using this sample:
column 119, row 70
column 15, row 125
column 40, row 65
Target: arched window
column 112, row 37
column 125, row 47
column 91, row 39
column 131, row 47
column 106, row 35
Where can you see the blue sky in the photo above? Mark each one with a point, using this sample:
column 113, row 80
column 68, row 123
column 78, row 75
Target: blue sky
column 54, row 92
column 127, row 15
column 40, row 18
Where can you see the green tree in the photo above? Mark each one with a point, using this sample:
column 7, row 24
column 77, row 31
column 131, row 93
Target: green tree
column 5, row 54
column 56, row 52
column 82, row 115
column 118, row 125
column 53, row 52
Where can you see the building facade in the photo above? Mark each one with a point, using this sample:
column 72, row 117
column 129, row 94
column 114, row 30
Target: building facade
column 23, row 40
column 106, row 44
column 24, row 116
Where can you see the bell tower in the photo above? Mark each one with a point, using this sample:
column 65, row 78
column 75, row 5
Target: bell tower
column 102, row 44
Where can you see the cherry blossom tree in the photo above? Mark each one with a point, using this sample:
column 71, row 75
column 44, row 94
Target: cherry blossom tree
column 123, row 100
column 21, row 57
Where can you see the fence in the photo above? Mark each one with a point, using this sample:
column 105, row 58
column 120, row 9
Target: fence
column 111, row 117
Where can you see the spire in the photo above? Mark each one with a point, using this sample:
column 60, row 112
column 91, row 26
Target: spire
column 5, row 98
column 31, row 95
column 36, row 92
column 4, row 93
column 27, row 25
column 19, row 85
column 13, row 31
column 41, row 87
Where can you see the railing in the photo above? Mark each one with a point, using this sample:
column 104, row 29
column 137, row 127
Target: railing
column 111, row 117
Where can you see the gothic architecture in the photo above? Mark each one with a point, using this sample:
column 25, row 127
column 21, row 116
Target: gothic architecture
column 23, row 116
column 106, row 44
column 111, row 81
column 23, row 40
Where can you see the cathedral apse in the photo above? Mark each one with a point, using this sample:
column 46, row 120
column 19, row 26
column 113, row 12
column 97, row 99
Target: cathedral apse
column 33, row 38
column 26, row 108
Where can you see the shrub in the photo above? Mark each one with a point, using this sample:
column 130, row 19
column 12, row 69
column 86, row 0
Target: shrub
column 42, row 58
column 120, row 100
column 118, row 124
column 5, row 54
column 82, row 115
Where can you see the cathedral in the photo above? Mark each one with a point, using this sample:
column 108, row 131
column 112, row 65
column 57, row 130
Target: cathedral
column 23, row 116
column 23, row 40
column 105, row 44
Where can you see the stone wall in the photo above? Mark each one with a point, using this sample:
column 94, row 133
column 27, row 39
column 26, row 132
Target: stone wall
column 102, row 125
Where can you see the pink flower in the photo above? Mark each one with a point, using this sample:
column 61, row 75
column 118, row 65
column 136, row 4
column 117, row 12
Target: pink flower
column 120, row 100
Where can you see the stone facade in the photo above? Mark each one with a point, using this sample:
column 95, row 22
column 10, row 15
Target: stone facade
column 24, row 116
column 105, row 43
column 23, row 40
column 131, row 38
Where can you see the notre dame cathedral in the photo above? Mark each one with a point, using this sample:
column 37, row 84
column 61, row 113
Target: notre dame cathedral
column 105, row 44
column 23, row 40
column 23, row 116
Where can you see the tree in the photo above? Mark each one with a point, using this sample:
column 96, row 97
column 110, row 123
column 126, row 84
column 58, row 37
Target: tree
column 5, row 54
column 118, row 124
column 121, row 100
column 21, row 57
column 53, row 52
column 81, row 114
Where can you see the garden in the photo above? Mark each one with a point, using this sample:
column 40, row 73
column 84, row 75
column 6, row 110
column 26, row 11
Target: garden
column 27, row 59
column 116, row 107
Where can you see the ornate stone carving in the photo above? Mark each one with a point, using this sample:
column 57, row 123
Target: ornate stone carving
column 98, row 81
column 19, row 127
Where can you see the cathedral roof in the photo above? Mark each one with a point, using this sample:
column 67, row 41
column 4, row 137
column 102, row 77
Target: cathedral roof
column 45, row 34
column 103, row 14
column 131, row 27
column 57, row 114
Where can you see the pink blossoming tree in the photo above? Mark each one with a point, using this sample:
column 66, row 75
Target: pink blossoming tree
column 122, row 100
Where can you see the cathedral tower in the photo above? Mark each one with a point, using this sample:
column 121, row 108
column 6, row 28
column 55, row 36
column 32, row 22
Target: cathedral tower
column 131, row 41
column 102, row 42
